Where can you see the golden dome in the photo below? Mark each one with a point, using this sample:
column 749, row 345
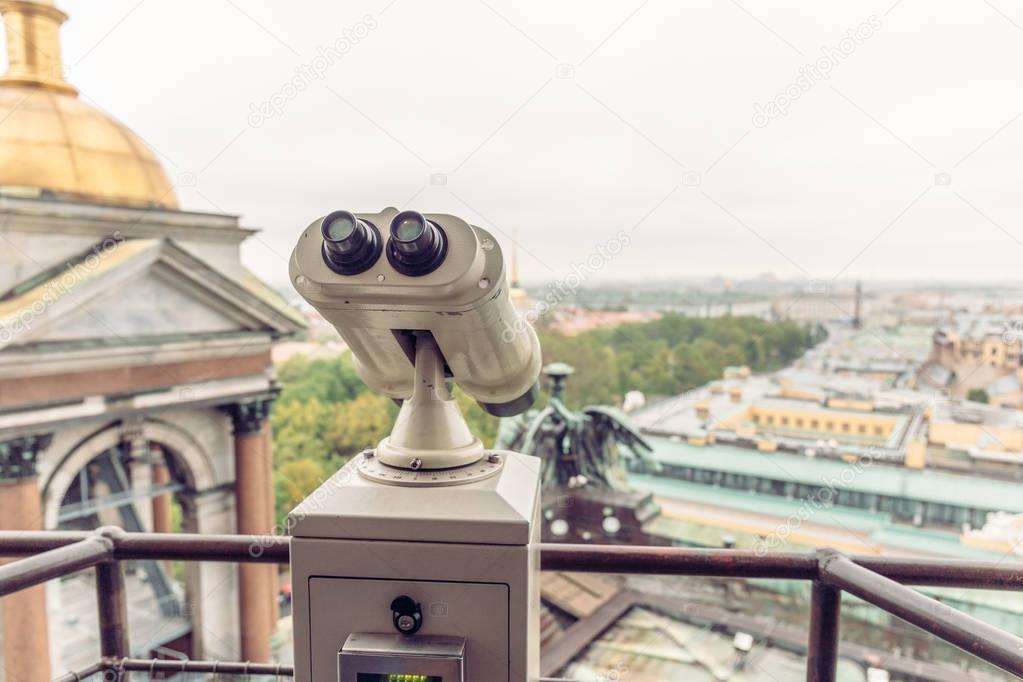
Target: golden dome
column 52, row 141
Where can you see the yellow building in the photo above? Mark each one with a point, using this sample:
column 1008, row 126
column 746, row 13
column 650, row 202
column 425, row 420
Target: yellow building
column 805, row 419
column 976, row 428
column 980, row 353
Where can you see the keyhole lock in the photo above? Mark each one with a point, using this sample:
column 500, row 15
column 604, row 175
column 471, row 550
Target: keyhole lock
column 407, row 615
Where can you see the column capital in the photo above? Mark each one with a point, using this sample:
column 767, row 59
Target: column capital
column 18, row 456
column 249, row 416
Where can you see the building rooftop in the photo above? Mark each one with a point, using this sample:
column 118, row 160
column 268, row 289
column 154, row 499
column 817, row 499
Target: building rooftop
column 1007, row 384
column 977, row 413
column 978, row 327
column 811, row 406
column 646, row 646
column 924, row 485
column 860, row 529
column 829, row 383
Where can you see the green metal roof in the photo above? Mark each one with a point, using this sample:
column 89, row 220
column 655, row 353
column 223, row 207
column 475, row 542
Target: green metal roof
column 745, row 500
column 877, row 526
column 879, row 479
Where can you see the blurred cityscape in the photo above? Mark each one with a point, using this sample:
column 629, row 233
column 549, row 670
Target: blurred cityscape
column 150, row 380
column 898, row 432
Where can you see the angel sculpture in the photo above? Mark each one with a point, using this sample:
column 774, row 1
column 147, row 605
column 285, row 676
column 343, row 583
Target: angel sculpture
column 577, row 448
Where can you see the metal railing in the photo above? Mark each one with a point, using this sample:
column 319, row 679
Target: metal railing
column 881, row 581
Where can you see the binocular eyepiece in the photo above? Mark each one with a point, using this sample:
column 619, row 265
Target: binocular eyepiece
column 351, row 245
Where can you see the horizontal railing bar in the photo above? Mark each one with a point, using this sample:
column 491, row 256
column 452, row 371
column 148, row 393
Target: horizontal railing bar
column 676, row 561
column 730, row 563
column 218, row 667
column 555, row 557
column 225, row 667
column 989, row 575
column 55, row 563
column 241, row 548
column 161, row 665
column 83, row 674
column 168, row 546
column 15, row 543
column 966, row 632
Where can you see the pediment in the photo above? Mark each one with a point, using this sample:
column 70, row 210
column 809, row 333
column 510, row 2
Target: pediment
column 133, row 290
column 150, row 304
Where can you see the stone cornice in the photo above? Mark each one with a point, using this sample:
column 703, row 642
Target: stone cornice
column 208, row 394
column 66, row 217
column 72, row 357
column 183, row 380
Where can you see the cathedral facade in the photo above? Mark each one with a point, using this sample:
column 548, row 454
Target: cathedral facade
column 135, row 370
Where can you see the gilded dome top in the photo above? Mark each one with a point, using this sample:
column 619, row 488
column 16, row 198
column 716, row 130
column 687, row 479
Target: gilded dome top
column 50, row 140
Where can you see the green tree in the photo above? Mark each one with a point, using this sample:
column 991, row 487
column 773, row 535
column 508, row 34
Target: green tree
column 294, row 481
column 977, row 395
column 301, row 452
column 292, row 369
column 300, row 430
column 672, row 354
column 482, row 424
column 328, row 380
column 358, row 424
column 596, row 385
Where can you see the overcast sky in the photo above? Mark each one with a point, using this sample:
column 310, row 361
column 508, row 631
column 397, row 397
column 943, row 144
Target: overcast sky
column 897, row 154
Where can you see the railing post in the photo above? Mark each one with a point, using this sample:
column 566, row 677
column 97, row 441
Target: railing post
column 999, row 647
column 822, row 648
column 112, row 600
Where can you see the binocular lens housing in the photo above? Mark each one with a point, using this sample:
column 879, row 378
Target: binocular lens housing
column 350, row 245
column 417, row 246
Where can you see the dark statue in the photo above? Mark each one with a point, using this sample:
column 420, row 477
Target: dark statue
column 578, row 449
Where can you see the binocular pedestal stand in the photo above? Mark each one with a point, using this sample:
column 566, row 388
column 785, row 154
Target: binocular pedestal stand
column 420, row 558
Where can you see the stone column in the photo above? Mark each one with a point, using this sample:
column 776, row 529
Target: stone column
column 26, row 645
column 256, row 581
column 161, row 503
column 212, row 586
column 271, row 519
column 160, row 506
column 142, row 479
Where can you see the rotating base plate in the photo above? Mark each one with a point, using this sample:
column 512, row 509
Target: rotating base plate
column 373, row 469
